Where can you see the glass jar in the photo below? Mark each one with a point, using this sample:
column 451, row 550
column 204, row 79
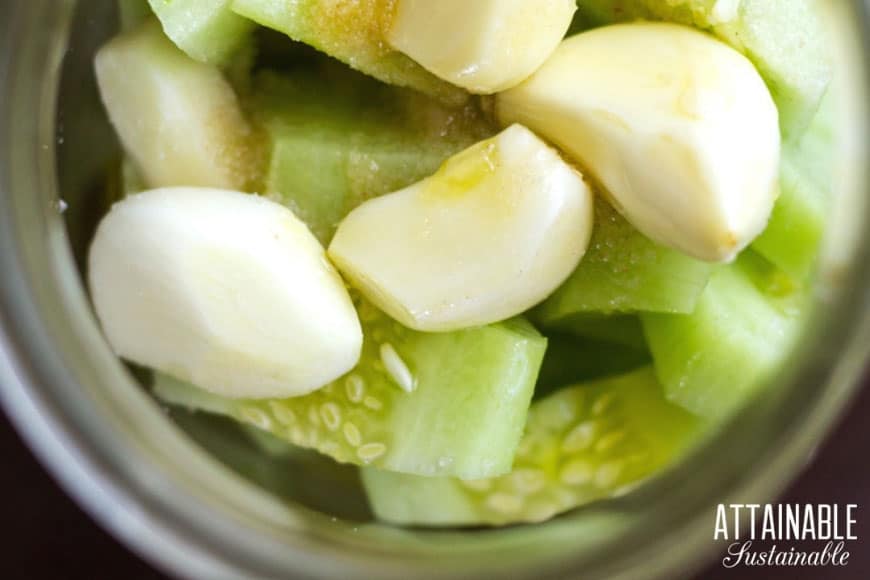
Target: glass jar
column 138, row 474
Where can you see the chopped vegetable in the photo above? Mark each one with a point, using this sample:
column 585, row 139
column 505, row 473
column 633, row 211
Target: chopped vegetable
column 429, row 404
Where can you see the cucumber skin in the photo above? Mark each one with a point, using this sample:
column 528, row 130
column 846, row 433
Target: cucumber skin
column 714, row 360
column 465, row 417
column 625, row 272
column 793, row 238
column 653, row 434
column 339, row 138
column 351, row 32
column 785, row 39
column 207, row 30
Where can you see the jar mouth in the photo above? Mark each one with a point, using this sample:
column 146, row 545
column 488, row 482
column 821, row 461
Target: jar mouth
column 137, row 473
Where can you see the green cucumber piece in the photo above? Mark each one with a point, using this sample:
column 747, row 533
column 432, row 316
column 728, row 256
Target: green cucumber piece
column 302, row 476
column 339, row 138
column 785, row 39
column 268, row 443
column 583, row 443
column 207, row 30
column 625, row 272
column 352, row 32
column 745, row 325
column 572, row 359
column 464, row 415
column 696, row 13
column 240, row 66
column 177, row 119
column 793, row 238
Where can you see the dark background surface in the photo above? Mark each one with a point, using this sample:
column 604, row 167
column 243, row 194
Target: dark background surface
column 47, row 536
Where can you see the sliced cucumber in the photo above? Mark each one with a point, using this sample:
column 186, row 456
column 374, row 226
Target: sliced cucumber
column 745, row 324
column 302, row 476
column 581, row 444
column 698, row 13
column 268, row 443
column 625, row 272
column 785, row 39
column 352, row 32
column 430, row 404
column 339, row 138
column 239, row 67
column 178, row 119
column 207, row 30
column 793, row 238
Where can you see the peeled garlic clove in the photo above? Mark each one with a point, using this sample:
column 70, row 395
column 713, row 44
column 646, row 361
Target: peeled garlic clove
column 677, row 126
column 177, row 118
column 484, row 46
column 496, row 230
column 226, row 290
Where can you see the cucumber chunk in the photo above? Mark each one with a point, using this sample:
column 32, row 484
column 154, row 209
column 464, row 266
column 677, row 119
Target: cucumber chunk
column 268, row 444
column 178, row 119
column 302, row 476
column 339, row 138
column 581, row 444
column 744, row 326
column 352, row 32
column 793, row 238
column 785, row 39
column 430, row 404
column 207, row 30
column 625, row 272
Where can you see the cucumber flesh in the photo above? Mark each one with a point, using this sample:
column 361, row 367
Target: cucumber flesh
column 302, row 476
column 431, row 404
column 625, row 272
column 177, row 119
column 581, row 444
column 268, row 443
column 746, row 323
column 352, row 32
column 239, row 67
column 793, row 238
column 785, row 39
column 339, row 138
column 207, row 30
